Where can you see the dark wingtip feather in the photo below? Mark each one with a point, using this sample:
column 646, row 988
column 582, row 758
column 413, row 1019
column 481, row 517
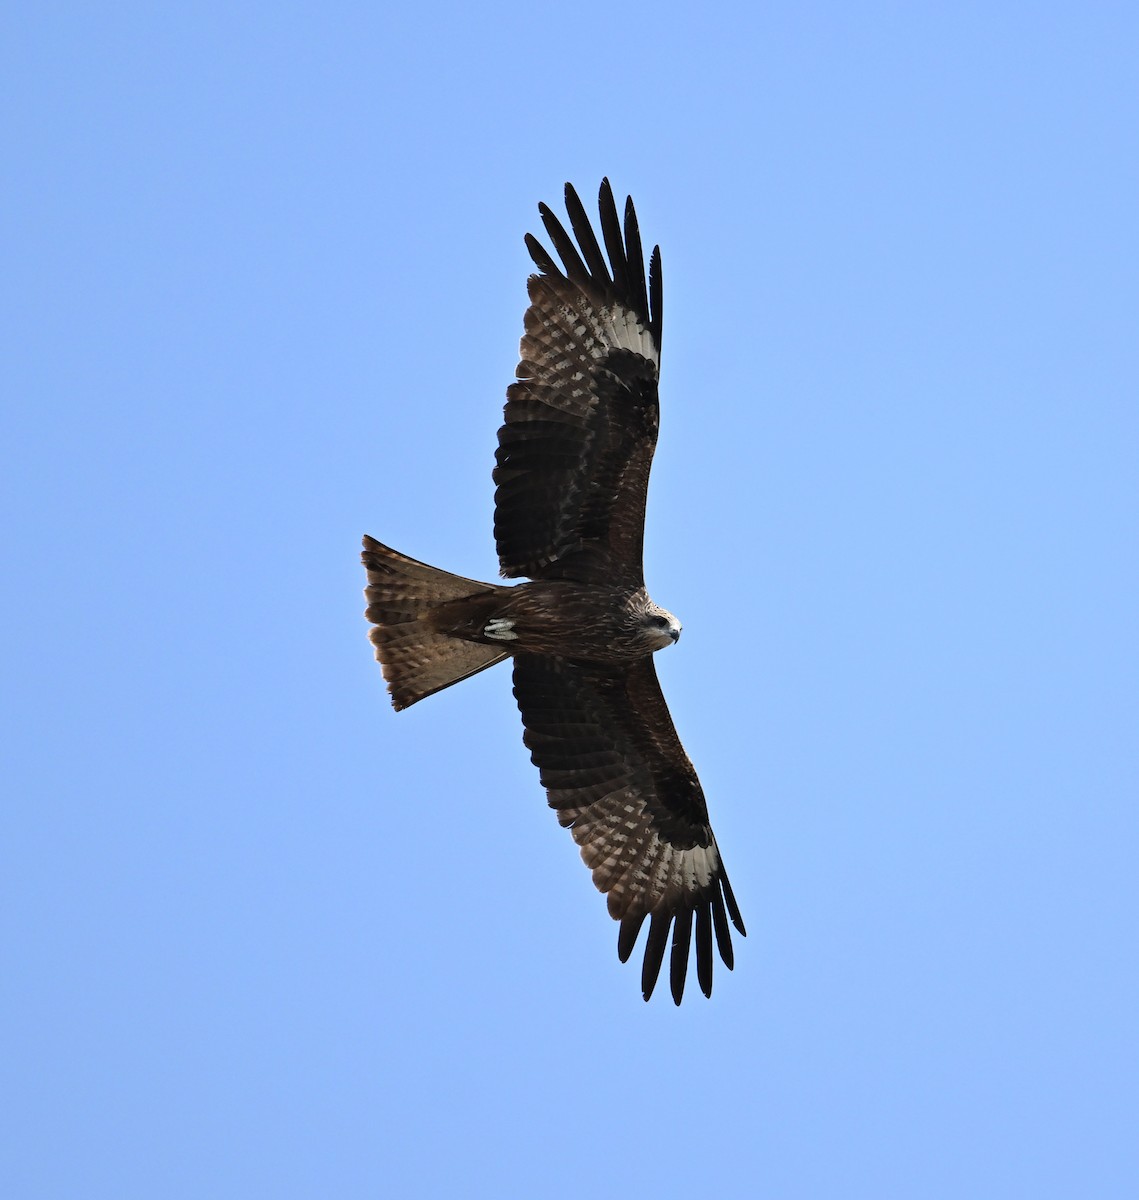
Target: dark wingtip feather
column 627, row 937
column 704, row 947
column 656, row 296
column 654, row 952
column 586, row 238
column 681, row 944
column 635, row 261
column 542, row 260
column 723, row 932
column 733, row 907
column 611, row 234
column 563, row 244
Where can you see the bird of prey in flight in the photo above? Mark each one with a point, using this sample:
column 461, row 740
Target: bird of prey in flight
column 571, row 476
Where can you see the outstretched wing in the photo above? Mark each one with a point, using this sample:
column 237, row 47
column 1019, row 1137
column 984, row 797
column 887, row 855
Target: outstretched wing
column 618, row 777
column 580, row 427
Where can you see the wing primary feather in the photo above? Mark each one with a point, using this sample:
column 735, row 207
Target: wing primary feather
column 704, row 947
column 655, row 946
column 586, row 238
column 635, row 258
column 681, row 944
column 627, row 937
column 733, row 907
column 723, row 932
column 563, row 244
column 542, row 260
column 611, row 232
column 656, row 296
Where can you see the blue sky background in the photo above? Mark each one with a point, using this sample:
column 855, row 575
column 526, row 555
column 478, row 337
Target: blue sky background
column 264, row 285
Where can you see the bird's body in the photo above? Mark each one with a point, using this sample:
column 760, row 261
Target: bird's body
column 588, row 622
column 572, row 477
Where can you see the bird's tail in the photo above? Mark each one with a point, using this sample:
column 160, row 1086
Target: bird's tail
column 404, row 601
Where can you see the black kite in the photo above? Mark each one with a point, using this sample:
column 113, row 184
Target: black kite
column 572, row 473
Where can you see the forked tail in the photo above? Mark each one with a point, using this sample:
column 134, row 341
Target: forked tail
column 418, row 659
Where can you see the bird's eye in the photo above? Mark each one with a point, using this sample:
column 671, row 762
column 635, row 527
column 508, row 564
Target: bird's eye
column 660, row 622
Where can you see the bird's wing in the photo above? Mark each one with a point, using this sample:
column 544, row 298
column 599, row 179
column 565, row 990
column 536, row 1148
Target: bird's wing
column 580, row 427
column 616, row 773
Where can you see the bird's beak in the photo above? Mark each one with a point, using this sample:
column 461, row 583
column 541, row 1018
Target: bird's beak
column 675, row 635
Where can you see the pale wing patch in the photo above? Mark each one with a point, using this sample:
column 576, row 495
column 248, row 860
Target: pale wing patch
column 570, row 326
column 599, row 331
column 501, row 629
column 624, row 330
column 630, row 862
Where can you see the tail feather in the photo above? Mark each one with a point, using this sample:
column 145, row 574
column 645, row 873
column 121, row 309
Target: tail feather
column 416, row 657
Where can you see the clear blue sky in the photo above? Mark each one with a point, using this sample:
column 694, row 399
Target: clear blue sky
column 264, row 285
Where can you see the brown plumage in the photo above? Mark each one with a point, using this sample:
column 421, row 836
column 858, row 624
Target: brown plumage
column 572, row 471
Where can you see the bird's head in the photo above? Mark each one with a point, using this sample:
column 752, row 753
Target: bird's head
column 660, row 627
